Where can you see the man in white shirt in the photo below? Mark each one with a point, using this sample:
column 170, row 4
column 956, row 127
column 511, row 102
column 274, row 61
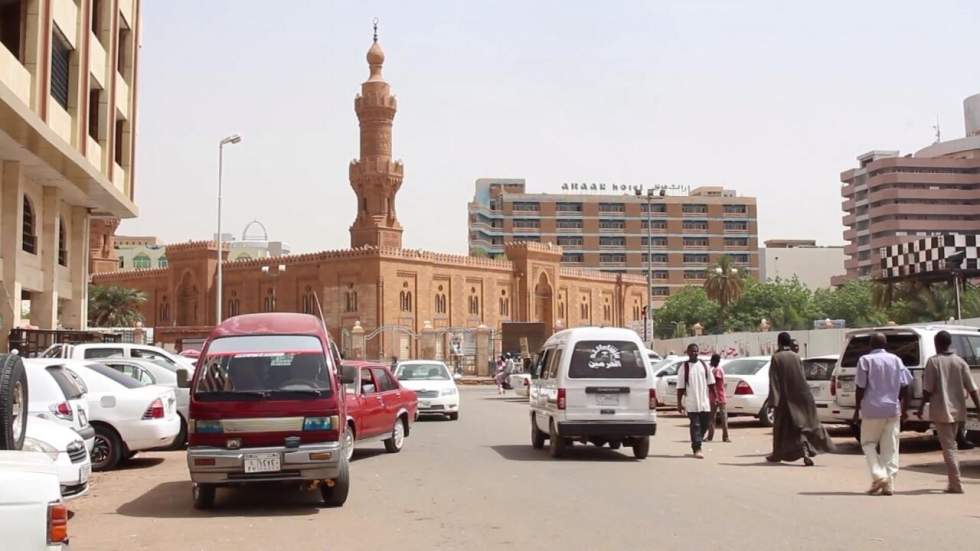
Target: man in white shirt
column 693, row 382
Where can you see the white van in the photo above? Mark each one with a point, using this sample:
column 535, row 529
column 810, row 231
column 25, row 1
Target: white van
column 593, row 385
column 914, row 345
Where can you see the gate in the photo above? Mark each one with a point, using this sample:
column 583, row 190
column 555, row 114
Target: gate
column 467, row 350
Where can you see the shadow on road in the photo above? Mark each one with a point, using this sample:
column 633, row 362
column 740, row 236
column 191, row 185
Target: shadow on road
column 367, row 453
column 173, row 500
column 921, row 492
column 968, row 469
column 138, row 462
column 514, row 452
column 511, row 399
column 765, row 463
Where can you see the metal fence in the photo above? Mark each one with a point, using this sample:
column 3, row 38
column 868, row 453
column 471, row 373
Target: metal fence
column 29, row 343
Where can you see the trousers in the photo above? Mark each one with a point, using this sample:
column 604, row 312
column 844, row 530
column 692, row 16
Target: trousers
column 947, row 438
column 699, row 425
column 881, row 433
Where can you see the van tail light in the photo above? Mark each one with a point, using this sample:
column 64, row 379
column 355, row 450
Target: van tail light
column 561, row 398
column 833, row 385
column 63, row 410
column 155, row 411
column 743, row 388
column 57, row 523
column 653, row 398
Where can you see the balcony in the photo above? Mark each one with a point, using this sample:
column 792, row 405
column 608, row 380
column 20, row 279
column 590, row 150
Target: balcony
column 694, row 214
column 569, row 230
column 612, row 230
column 613, row 247
column 15, row 75
column 736, row 230
column 122, row 96
column 695, row 230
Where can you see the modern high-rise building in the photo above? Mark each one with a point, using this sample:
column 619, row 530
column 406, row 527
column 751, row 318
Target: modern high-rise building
column 67, row 118
column 890, row 199
column 604, row 226
column 814, row 266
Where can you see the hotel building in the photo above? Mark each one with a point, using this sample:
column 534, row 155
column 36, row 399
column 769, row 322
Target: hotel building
column 689, row 232
column 67, row 118
column 890, row 199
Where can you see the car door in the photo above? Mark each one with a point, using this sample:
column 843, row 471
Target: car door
column 391, row 396
column 537, row 374
column 372, row 405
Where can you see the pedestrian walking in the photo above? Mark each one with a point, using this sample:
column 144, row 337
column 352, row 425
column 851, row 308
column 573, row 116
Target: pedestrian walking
column 694, row 382
column 500, row 374
column 945, row 384
column 719, row 409
column 796, row 431
column 882, row 401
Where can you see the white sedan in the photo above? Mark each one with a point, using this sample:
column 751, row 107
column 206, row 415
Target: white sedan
column 153, row 373
column 128, row 416
column 520, row 383
column 434, row 387
column 56, row 396
column 666, row 373
column 32, row 513
column 65, row 448
column 747, row 388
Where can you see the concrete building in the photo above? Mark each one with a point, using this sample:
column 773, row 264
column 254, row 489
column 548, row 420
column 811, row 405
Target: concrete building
column 68, row 71
column 890, row 199
column 814, row 266
column 608, row 231
column 399, row 302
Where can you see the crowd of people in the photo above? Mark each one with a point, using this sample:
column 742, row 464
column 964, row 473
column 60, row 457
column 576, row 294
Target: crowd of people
column 882, row 400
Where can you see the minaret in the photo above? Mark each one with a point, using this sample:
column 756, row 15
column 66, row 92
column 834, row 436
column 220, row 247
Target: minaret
column 374, row 176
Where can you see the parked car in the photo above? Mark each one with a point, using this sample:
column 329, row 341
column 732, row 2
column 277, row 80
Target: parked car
column 127, row 415
column 66, row 450
column 665, row 373
column 520, row 383
column 747, row 388
column 592, row 384
column 57, row 396
column 914, row 345
column 434, row 387
column 95, row 351
column 14, row 392
column 266, row 405
column 33, row 516
column 155, row 373
column 819, row 371
column 378, row 407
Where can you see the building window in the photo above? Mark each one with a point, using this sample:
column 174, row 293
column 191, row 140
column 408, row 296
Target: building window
column 654, row 241
column 636, row 309
column 584, row 309
column 164, row 314
column 661, row 291
column 695, row 259
column 736, row 242
column 62, row 243
column 30, row 240
column 570, row 224
column 694, row 274
column 614, row 258
column 653, row 207
column 504, row 304
column 615, row 242
column 695, row 225
column 695, row 241
column 94, row 116
column 60, row 67
column 561, row 309
column 11, row 27
column 525, row 207
column 612, row 224
column 141, row 261
column 607, row 311
column 309, row 301
column 738, row 225
column 654, row 224
column 568, row 207
column 694, row 209
column 162, row 262
column 122, row 262
column 405, row 299
column 655, row 258
column 234, row 304
column 269, row 301
column 96, row 17
column 612, row 207
column 440, row 301
column 526, row 223
column 474, row 302
column 660, row 274
column 350, row 299
column 119, row 146
column 735, row 209
column 575, row 258
column 569, row 241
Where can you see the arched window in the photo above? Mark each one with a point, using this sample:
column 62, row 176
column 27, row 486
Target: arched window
column 309, row 301
column 62, row 242
column 141, row 261
column 162, row 262
column 234, row 304
column 474, row 302
column 30, row 240
column 561, row 309
column 350, row 299
column 164, row 309
column 405, row 298
column 504, row 304
column 269, row 301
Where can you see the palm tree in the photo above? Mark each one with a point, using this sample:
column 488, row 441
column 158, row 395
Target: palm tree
column 114, row 306
column 724, row 285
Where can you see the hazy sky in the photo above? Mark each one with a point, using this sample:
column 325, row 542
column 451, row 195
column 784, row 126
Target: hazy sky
column 772, row 99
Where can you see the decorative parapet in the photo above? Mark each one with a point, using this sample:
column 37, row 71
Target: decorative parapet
column 372, row 252
column 191, row 245
column 374, row 166
column 110, row 277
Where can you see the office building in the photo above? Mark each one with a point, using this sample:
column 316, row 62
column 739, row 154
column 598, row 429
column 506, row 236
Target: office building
column 68, row 71
column 604, row 226
column 890, row 199
column 803, row 259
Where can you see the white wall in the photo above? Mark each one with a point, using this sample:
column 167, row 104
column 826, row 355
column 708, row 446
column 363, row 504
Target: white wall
column 813, row 265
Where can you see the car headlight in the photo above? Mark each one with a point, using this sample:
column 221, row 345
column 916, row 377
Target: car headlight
column 35, row 445
column 448, row 391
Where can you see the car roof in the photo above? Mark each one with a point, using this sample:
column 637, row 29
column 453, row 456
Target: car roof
column 834, row 357
column 361, row 363
column 410, row 362
column 270, row 323
column 594, row 333
column 925, row 328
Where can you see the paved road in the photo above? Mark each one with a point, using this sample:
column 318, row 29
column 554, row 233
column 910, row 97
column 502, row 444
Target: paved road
column 476, row 483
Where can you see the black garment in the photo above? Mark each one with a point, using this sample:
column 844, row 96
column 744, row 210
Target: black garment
column 796, row 431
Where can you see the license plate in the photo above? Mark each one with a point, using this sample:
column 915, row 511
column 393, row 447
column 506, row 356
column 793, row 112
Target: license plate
column 262, row 462
column 424, row 404
column 83, row 473
column 607, row 399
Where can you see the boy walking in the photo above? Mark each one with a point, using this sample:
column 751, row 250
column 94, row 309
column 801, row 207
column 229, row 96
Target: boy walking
column 719, row 411
column 945, row 385
column 882, row 401
column 694, row 382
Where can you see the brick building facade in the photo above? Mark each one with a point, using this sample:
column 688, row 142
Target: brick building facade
column 405, row 303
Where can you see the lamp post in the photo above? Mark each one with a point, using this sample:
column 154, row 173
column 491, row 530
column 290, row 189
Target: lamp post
column 234, row 138
column 649, row 310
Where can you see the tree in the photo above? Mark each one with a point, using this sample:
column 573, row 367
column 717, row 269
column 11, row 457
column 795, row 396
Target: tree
column 683, row 309
column 114, row 306
column 853, row 302
column 724, row 285
column 784, row 303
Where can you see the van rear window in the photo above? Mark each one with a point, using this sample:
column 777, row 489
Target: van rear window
column 903, row 345
column 606, row 360
column 270, row 366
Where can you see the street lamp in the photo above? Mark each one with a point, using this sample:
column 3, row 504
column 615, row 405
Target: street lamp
column 234, row 138
column 650, row 194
